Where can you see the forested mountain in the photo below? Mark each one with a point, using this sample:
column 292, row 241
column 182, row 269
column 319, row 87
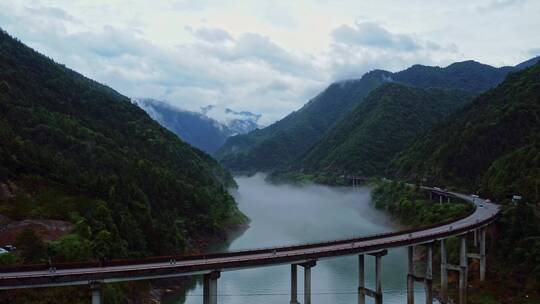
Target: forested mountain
column 369, row 137
column 76, row 150
column 277, row 145
column 196, row 129
column 492, row 144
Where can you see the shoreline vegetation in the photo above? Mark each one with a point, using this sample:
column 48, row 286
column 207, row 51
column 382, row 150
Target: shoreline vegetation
column 513, row 244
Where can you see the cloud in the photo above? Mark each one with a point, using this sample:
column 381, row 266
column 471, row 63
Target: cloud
column 53, row 12
column 370, row 34
column 278, row 14
column 190, row 5
column 533, row 52
column 260, row 57
column 212, row 35
column 367, row 46
column 501, row 4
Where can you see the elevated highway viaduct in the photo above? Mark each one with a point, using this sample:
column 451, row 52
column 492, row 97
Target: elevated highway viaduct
column 302, row 255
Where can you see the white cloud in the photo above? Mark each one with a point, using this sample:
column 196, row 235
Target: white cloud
column 263, row 57
column 502, row 4
column 211, row 35
column 370, row 34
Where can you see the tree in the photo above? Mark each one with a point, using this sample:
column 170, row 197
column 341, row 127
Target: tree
column 30, row 246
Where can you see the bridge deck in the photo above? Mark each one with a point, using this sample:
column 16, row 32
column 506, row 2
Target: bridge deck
column 66, row 275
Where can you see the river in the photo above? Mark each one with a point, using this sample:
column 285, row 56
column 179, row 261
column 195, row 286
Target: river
column 285, row 214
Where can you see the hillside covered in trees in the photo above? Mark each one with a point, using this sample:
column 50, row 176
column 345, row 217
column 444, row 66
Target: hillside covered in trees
column 276, row 146
column 491, row 145
column 375, row 131
column 75, row 150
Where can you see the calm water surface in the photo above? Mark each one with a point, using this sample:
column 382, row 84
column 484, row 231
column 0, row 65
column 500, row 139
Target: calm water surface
column 282, row 215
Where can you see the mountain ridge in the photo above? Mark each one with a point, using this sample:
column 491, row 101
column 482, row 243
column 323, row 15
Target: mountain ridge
column 276, row 146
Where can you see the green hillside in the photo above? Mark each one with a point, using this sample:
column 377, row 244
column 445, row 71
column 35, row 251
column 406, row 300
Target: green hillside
column 76, row 150
column 371, row 135
column 276, row 146
column 491, row 144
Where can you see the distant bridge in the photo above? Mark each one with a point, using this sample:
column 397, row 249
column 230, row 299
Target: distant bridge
column 304, row 255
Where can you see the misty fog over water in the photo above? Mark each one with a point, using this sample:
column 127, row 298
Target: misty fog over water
column 285, row 214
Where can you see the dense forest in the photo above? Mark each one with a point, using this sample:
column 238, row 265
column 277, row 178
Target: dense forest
column 513, row 244
column 365, row 141
column 282, row 142
column 75, row 150
column 278, row 145
column 491, row 145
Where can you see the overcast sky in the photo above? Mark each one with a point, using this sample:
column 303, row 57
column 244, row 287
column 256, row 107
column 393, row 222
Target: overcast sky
column 267, row 57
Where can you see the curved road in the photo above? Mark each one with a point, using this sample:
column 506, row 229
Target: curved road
column 484, row 214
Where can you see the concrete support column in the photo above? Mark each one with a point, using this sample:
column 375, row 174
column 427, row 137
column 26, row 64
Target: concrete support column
column 429, row 274
column 463, row 274
column 294, row 284
column 361, row 280
column 95, row 287
column 307, row 281
column 448, row 199
column 482, row 254
column 410, row 276
column 210, row 287
column 307, row 285
column 440, row 199
column 430, row 196
column 444, row 273
column 378, row 279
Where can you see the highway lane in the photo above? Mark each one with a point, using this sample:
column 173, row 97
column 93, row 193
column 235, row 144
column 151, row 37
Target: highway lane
column 250, row 258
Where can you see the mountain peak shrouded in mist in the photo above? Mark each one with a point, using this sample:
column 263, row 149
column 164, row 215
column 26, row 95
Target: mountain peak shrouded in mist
column 199, row 129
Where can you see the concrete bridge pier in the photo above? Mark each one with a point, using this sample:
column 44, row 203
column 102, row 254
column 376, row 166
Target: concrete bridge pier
column 483, row 254
column 307, row 280
column 427, row 279
column 294, row 284
column 444, row 273
column 361, row 280
column 429, row 274
column 362, row 290
column 210, row 287
column 95, row 287
column 410, row 275
column 463, row 273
